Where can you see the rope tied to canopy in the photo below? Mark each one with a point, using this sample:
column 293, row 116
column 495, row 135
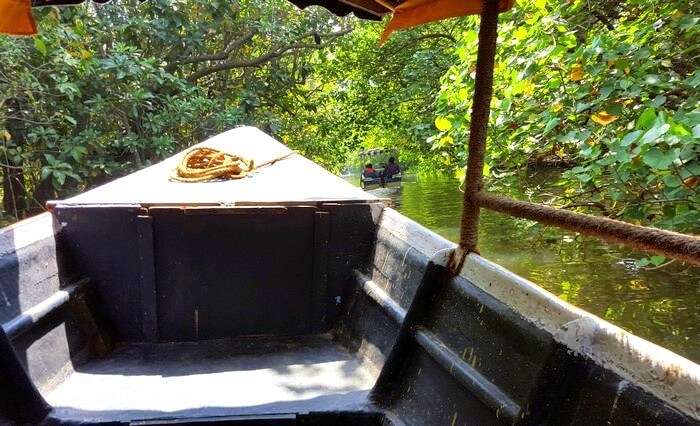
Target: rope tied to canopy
column 203, row 164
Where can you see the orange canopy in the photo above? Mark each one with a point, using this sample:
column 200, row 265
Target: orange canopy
column 411, row 13
column 16, row 17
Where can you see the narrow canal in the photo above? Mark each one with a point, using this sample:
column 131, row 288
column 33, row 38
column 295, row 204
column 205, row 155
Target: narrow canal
column 661, row 305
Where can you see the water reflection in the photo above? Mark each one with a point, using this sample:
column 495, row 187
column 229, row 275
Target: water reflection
column 661, row 305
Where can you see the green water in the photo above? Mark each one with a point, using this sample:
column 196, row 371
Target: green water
column 661, row 305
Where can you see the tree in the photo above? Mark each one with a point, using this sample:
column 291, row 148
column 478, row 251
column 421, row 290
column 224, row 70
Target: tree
column 608, row 90
column 104, row 90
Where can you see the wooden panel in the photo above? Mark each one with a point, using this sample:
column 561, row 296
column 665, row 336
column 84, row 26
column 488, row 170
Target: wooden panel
column 149, row 320
column 244, row 273
column 320, row 261
column 101, row 243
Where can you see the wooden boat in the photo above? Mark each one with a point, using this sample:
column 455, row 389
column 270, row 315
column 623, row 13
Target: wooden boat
column 379, row 156
column 269, row 301
column 369, row 183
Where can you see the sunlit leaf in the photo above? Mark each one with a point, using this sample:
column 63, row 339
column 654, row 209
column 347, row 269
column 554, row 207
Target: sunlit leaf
column 443, row 124
column 630, row 138
column 646, row 119
column 654, row 133
column 576, row 73
column 40, row 45
column 603, row 118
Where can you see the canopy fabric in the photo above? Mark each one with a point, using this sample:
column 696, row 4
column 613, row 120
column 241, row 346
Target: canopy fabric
column 411, row 13
column 16, row 17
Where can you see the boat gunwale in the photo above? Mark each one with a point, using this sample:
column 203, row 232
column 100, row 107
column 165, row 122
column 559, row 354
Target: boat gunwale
column 670, row 377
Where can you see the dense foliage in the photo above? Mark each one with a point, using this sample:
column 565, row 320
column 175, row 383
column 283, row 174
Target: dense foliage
column 608, row 91
column 104, row 90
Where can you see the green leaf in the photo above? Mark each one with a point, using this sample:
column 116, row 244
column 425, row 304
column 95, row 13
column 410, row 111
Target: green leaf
column 550, row 125
column 658, row 101
column 40, row 45
column 647, row 119
column 694, row 79
column 672, row 181
column 654, row 133
column 658, row 159
column 584, row 177
column 630, row 138
column 58, row 178
column 696, row 132
column 687, row 21
column 443, row 124
column 50, row 159
column 643, row 262
column 657, row 260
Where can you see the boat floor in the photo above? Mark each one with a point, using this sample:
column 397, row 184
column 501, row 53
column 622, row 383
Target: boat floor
column 214, row 378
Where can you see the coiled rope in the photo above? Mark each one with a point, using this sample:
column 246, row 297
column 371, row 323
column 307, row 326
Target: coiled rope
column 204, row 164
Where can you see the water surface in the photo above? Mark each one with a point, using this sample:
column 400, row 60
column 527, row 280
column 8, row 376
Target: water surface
column 661, row 305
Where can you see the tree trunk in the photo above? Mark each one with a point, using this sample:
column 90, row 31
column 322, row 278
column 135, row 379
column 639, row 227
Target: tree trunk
column 14, row 199
column 42, row 193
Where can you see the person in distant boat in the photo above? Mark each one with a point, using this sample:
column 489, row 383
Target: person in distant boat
column 391, row 169
column 369, row 171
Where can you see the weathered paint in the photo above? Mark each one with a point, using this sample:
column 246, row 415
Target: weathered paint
column 657, row 370
column 484, row 346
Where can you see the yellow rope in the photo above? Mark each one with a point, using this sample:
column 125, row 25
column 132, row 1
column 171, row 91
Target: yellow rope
column 203, row 164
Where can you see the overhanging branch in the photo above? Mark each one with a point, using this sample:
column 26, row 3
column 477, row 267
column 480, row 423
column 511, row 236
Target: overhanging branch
column 294, row 45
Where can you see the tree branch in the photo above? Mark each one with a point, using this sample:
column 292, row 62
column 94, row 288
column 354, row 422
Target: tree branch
column 296, row 44
column 230, row 48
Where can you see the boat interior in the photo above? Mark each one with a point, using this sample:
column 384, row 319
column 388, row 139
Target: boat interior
column 265, row 301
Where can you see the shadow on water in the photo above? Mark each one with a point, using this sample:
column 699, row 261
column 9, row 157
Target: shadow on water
column 661, row 305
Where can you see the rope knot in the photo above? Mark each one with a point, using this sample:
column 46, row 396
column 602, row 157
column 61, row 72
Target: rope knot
column 203, row 164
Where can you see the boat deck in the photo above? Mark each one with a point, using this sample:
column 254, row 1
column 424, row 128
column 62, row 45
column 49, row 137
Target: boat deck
column 292, row 180
column 215, row 378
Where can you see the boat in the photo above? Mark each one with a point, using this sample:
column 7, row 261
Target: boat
column 379, row 156
column 267, row 301
column 369, row 183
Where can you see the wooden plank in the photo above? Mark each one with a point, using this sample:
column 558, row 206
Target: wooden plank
column 369, row 6
column 147, row 275
column 320, row 267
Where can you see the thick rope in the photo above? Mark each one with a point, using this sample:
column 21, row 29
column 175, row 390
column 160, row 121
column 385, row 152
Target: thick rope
column 667, row 243
column 483, row 89
column 204, row 164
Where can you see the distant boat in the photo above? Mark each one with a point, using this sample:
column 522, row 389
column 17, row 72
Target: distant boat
column 267, row 300
column 379, row 157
